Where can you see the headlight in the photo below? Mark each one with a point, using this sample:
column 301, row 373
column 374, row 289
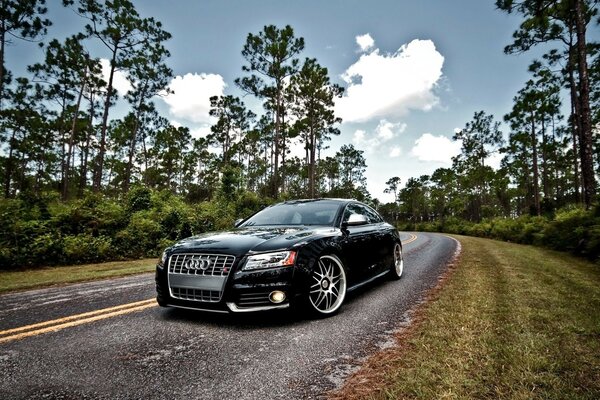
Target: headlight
column 270, row 260
column 163, row 258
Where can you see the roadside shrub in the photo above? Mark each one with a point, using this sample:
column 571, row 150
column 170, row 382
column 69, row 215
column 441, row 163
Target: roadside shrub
column 140, row 238
column 85, row 248
column 248, row 203
column 138, row 199
column 46, row 249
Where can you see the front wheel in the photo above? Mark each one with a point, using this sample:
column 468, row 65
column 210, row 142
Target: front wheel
column 327, row 286
column 398, row 263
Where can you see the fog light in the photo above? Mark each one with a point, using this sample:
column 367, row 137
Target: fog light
column 277, row 297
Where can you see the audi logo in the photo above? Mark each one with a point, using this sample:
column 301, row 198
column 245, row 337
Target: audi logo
column 198, row 264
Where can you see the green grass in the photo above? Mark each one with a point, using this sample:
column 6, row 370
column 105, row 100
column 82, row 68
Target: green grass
column 511, row 321
column 35, row 278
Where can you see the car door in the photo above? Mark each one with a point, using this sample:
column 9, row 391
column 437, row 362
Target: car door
column 358, row 244
column 382, row 242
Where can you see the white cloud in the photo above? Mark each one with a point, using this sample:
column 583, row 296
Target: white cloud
column 436, row 148
column 200, row 132
column 191, row 94
column 120, row 82
column 387, row 130
column 494, row 160
column 383, row 133
column 396, row 151
column 365, row 42
column 389, row 85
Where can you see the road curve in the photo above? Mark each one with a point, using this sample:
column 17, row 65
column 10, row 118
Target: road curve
column 150, row 352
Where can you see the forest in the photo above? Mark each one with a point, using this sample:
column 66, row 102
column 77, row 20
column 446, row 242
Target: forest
column 81, row 185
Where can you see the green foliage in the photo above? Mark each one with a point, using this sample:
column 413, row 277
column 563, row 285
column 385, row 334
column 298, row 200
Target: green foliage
column 572, row 229
column 86, row 248
column 44, row 231
column 138, row 199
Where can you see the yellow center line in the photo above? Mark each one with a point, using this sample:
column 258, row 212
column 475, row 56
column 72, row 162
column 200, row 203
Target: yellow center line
column 73, row 320
column 412, row 239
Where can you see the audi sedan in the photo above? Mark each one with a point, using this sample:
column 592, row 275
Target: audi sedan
column 306, row 253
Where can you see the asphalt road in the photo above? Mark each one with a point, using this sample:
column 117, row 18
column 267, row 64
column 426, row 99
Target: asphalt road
column 142, row 351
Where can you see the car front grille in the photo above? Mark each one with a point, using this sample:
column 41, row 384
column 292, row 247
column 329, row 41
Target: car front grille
column 209, row 296
column 201, row 264
column 256, row 299
column 199, row 277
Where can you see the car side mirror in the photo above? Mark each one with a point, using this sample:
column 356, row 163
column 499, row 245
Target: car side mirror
column 356, row 219
column 238, row 222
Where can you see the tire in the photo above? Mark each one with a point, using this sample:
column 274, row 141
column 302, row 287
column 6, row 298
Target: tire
column 328, row 285
column 397, row 267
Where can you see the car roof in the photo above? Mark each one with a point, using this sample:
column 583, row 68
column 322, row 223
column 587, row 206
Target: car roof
column 334, row 200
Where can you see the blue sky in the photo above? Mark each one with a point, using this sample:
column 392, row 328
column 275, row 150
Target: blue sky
column 420, row 68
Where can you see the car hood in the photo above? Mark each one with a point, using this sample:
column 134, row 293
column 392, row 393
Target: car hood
column 256, row 239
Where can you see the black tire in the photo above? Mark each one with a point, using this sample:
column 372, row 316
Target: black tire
column 328, row 286
column 397, row 267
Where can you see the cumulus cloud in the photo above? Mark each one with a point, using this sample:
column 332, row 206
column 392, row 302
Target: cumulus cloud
column 365, row 42
column 120, row 82
column 396, row 151
column 436, row 148
column 389, row 85
column 191, row 94
column 494, row 160
column 383, row 133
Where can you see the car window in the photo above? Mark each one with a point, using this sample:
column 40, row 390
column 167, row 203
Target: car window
column 370, row 214
column 351, row 208
column 296, row 213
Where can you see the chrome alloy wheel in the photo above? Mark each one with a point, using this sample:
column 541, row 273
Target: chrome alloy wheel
column 328, row 285
column 398, row 266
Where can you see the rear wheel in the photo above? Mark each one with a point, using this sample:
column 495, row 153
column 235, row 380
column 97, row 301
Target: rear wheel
column 327, row 286
column 397, row 266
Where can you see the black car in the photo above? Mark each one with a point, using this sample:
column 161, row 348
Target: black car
column 303, row 252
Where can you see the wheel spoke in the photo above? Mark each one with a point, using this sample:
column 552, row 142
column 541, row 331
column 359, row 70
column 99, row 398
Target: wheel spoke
column 328, row 285
column 322, row 296
column 336, row 293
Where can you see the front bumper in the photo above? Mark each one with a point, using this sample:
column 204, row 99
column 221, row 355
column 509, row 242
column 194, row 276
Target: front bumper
column 243, row 291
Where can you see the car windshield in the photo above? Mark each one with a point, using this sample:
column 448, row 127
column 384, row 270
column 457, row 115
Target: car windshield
column 297, row 213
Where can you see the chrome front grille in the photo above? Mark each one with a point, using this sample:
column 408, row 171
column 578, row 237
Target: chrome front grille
column 198, row 277
column 201, row 264
column 210, row 296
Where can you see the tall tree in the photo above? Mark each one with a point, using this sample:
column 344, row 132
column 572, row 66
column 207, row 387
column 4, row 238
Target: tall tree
column 22, row 20
column 233, row 122
column 271, row 59
column 556, row 20
column 480, row 138
column 313, row 96
column 352, row 165
column 18, row 123
column 392, row 186
column 149, row 76
column 65, row 73
column 121, row 30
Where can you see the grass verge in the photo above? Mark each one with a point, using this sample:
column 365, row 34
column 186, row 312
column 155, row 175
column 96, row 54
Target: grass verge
column 510, row 321
column 35, row 278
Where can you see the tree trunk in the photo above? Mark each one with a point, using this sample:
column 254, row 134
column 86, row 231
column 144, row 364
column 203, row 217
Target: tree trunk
column 275, row 177
column 65, row 186
column 2, row 73
column 9, row 165
column 133, row 141
column 586, row 143
column 101, row 152
column 575, row 125
column 311, row 163
column 536, row 173
column 545, row 183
